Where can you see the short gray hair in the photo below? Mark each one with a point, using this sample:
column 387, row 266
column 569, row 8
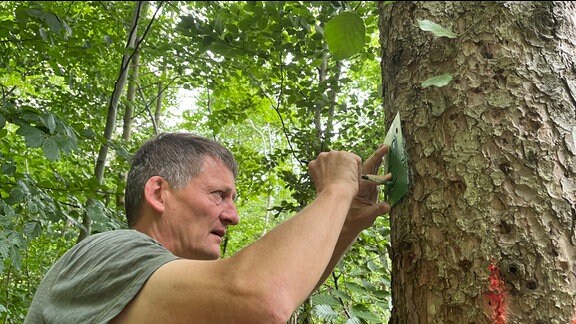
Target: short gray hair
column 176, row 157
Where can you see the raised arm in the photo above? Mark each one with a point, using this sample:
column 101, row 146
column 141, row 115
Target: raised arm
column 266, row 281
column 363, row 211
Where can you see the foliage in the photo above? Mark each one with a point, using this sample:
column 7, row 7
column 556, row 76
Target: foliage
column 345, row 35
column 277, row 82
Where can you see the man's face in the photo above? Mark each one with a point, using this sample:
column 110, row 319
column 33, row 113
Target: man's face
column 199, row 213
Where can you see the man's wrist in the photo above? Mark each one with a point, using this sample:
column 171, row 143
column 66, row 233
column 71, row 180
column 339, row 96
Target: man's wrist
column 340, row 190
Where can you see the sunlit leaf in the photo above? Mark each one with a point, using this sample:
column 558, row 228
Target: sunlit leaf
column 438, row 81
column 353, row 320
column 325, row 299
column 325, row 312
column 345, row 35
column 427, row 25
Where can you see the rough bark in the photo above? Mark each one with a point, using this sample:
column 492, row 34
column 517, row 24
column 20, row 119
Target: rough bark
column 486, row 233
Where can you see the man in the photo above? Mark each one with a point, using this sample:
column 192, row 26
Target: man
column 166, row 268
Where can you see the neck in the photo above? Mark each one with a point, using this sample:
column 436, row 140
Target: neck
column 152, row 227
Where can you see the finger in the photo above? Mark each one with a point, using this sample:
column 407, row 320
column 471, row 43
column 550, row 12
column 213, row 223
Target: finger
column 382, row 208
column 376, row 210
column 388, row 176
column 377, row 179
column 368, row 188
column 372, row 164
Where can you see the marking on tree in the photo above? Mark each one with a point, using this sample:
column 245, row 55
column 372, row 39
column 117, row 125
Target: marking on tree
column 496, row 295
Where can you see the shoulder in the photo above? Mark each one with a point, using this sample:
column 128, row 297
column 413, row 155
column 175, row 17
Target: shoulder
column 126, row 235
column 124, row 258
column 114, row 249
column 113, row 241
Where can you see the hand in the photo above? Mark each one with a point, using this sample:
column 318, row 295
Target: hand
column 364, row 208
column 336, row 168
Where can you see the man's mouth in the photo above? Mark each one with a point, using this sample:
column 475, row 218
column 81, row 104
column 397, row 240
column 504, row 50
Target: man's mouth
column 220, row 233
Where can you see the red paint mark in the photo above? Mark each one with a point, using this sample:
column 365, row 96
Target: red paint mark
column 496, row 295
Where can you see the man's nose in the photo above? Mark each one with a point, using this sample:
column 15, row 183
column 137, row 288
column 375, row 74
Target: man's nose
column 229, row 216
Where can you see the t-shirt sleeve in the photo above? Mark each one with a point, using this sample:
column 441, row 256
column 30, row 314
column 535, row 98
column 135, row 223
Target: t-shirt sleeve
column 93, row 282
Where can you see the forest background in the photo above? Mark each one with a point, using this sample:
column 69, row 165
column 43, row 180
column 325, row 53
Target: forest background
column 487, row 232
column 85, row 83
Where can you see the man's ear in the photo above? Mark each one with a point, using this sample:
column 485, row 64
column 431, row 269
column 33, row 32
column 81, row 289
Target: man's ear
column 154, row 193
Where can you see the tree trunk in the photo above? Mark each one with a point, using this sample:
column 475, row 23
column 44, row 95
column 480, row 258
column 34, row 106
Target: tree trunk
column 111, row 116
column 117, row 93
column 486, row 232
column 158, row 110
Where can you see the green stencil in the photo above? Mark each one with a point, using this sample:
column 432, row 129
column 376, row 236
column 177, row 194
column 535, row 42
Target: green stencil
column 396, row 161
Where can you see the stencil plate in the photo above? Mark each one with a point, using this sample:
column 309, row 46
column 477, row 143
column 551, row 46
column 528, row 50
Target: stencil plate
column 396, row 161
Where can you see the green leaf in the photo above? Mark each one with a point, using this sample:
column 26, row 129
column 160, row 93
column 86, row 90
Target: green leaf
column 325, row 312
column 325, row 299
column 352, row 286
column 16, row 195
column 8, row 211
column 53, row 22
column 367, row 316
column 438, row 81
column 95, row 210
column 8, row 169
column 372, row 266
column 427, row 25
column 341, row 294
column 32, row 135
column 353, row 320
column 33, row 229
column 49, row 121
column 51, row 149
column 345, row 35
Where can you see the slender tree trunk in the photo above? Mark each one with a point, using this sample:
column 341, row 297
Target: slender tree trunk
column 158, row 110
column 117, row 93
column 130, row 105
column 128, row 116
column 326, row 108
column 112, row 112
column 131, row 98
column 486, row 232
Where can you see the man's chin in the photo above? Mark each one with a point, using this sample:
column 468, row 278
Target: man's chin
column 208, row 253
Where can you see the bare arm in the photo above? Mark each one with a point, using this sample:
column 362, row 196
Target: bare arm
column 363, row 212
column 266, row 281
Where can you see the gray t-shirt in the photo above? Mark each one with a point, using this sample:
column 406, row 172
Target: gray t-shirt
column 97, row 278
